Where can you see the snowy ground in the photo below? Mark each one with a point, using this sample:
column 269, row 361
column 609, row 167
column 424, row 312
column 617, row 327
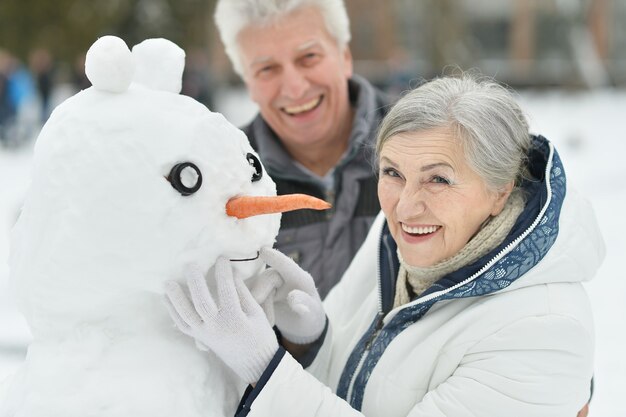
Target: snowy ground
column 590, row 135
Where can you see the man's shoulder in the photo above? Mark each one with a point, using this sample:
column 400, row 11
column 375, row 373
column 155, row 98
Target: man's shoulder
column 360, row 85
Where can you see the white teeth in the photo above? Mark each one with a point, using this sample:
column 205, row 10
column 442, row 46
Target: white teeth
column 419, row 230
column 304, row 107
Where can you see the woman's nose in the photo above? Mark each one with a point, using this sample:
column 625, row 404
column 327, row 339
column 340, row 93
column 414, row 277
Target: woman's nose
column 411, row 204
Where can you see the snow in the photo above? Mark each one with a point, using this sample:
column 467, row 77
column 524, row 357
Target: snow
column 589, row 133
column 168, row 57
column 590, row 136
column 110, row 65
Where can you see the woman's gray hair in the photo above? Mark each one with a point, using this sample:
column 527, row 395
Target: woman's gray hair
column 231, row 16
column 481, row 113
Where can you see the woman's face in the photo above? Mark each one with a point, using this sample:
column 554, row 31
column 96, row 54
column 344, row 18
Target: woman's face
column 433, row 200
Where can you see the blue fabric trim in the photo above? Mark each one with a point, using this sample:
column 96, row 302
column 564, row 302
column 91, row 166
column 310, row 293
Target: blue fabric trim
column 500, row 275
column 389, row 267
column 353, row 361
column 245, row 405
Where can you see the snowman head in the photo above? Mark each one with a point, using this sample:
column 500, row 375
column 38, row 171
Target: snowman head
column 132, row 182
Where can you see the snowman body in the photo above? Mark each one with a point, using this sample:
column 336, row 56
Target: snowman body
column 103, row 227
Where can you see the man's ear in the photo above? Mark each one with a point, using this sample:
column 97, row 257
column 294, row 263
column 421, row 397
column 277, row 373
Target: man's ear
column 348, row 62
column 501, row 197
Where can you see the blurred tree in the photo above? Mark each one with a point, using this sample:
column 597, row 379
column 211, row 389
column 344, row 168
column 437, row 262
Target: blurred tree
column 68, row 27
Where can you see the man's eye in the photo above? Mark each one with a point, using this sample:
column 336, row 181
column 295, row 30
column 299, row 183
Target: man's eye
column 310, row 58
column 265, row 71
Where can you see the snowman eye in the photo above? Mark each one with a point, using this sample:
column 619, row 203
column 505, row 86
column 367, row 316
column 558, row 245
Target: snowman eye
column 185, row 177
column 256, row 164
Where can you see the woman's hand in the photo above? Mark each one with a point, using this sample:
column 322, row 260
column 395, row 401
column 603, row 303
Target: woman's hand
column 289, row 298
column 230, row 323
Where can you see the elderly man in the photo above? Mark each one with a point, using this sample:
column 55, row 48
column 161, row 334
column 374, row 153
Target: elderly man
column 315, row 125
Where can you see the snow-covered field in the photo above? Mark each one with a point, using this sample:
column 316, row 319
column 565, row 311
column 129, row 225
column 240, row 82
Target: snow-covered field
column 590, row 135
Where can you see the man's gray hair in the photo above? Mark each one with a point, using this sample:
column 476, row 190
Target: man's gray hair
column 481, row 113
column 231, row 16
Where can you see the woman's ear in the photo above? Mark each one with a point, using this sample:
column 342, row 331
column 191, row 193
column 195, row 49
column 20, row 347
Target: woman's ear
column 501, row 197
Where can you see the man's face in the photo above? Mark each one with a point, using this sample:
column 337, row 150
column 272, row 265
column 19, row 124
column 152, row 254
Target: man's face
column 297, row 75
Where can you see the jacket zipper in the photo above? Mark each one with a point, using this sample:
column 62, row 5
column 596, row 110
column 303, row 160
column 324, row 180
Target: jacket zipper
column 499, row 255
column 368, row 345
column 379, row 325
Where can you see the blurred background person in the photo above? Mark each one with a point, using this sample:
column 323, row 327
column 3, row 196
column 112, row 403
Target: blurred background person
column 7, row 111
column 41, row 65
column 79, row 79
column 197, row 81
column 20, row 101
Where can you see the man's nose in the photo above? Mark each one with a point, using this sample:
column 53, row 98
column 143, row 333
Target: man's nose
column 294, row 83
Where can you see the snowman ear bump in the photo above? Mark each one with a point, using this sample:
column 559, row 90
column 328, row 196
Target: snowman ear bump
column 160, row 64
column 109, row 65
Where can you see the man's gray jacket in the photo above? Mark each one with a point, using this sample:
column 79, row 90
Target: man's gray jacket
column 324, row 242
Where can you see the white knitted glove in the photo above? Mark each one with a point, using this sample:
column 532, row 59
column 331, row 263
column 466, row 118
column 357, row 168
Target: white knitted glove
column 230, row 322
column 289, row 298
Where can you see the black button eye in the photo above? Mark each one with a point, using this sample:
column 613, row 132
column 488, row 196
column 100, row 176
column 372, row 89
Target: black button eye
column 185, row 177
column 256, row 164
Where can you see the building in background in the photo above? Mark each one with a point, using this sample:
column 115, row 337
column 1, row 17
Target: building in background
column 396, row 43
column 569, row 43
column 525, row 43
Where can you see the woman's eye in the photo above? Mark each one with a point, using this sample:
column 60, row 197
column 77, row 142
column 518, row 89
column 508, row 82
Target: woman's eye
column 440, row 180
column 390, row 172
column 256, row 164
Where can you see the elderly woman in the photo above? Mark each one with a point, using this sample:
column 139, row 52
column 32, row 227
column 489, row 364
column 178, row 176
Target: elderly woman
column 466, row 297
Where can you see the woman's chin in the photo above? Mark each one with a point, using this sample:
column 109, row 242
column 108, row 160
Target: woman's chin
column 417, row 259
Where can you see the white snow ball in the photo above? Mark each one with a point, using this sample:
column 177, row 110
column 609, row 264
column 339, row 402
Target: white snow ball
column 160, row 64
column 109, row 64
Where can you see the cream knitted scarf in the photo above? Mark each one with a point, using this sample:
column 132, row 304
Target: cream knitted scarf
column 413, row 280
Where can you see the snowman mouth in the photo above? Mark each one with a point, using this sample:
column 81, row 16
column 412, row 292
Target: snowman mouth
column 246, row 259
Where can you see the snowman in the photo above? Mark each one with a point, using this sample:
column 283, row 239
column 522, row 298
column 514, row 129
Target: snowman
column 131, row 183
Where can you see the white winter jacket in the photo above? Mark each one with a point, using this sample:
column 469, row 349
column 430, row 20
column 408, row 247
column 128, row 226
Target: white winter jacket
column 510, row 335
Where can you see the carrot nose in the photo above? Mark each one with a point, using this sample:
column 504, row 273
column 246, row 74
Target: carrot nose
column 242, row 207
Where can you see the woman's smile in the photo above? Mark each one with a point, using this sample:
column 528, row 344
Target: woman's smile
column 418, row 234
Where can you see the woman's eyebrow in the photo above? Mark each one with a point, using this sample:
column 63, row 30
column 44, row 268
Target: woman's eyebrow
column 428, row 167
column 388, row 161
column 436, row 165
